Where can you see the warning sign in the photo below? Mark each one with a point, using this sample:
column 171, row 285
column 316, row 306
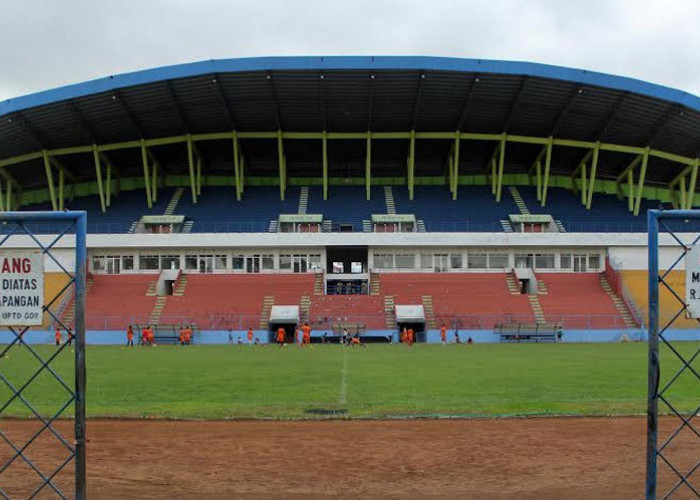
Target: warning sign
column 692, row 282
column 21, row 287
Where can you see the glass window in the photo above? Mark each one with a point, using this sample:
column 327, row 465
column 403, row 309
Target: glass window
column 426, row 261
column 98, row 263
column 237, row 262
column 149, row 262
column 285, row 261
column 268, row 262
column 455, row 261
column 315, row 261
column 565, row 261
column 476, row 260
column 356, row 267
column 170, row 262
column 338, row 267
column 498, row 260
column 128, row 262
column 523, row 260
column 383, row 260
column 593, row 261
column 220, row 261
column 405, row 261
column 544, row 261
column 190, row 262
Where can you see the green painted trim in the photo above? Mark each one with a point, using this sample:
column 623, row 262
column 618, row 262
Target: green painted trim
column 642, row 174
column 98, row 172
column 455, row 161
column 693, row 184
column 591, row 182
column 236, row 165
column 49, row 180
column 146, row 175
column 501, row 167
column 547, row 164
column 190, row 161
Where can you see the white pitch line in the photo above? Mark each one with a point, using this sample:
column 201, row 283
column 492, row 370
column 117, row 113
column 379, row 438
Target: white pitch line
column 344, row 378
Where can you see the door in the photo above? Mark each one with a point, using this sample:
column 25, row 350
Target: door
column 206, row 263
column 441, row 262
column 299, row 263
column 112, row 265
column 579, row 263
column 252, row 264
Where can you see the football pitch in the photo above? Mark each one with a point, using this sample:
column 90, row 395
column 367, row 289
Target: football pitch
column 379, row 381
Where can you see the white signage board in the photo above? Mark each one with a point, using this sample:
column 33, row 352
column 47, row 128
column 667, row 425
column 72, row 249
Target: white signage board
column 692, row 282
column 284, row 314
column 410, row 313
column 21, row 287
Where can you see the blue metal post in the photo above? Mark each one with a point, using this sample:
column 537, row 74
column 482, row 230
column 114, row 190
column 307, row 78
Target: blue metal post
column 80, row 375
column 653, row 353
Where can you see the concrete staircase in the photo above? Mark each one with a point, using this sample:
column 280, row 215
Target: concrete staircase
column 69, row 313
column 389, row 312
column 619, row 303
column 157, row 311
column 327, row 226
column 389, row 197
column 151, row 290
column 318, row 284
column 272, row 228
column 429, row 311
column 513, row 284
column 560, row 226
column 268, row 302
column 374, row 288
column 367, row 226
column 187, row 227
column 132, row 227
column 180, row 285
column 519, row 200
column 420, row 226
column 542, row 288
column 303, row 200
column 536, row 308
column 304, row 307
column 506, row 225
column 172, row 204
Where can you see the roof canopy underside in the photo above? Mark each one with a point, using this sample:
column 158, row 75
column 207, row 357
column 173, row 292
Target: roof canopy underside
column 350, row 100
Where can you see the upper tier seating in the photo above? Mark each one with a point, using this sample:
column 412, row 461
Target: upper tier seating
column 114, row 301
column 217, row 210
column 346, row 204
column 482, row 299
column 359, row 309
column 475, row 209
column 54, row 283
column 224, row 301
column 578, row 301
column 636, row 284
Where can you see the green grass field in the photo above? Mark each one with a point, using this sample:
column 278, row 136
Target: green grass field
column 377, row 381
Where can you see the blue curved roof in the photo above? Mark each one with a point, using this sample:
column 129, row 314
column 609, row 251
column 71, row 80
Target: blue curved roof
column 350, row 63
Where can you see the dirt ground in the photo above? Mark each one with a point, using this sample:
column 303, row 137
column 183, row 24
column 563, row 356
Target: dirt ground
column 517, row 458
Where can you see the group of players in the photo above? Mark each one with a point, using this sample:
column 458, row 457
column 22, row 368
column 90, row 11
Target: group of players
column 148, row 337
column 305, row 336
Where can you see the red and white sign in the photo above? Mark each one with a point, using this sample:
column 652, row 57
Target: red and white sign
column 21, row 287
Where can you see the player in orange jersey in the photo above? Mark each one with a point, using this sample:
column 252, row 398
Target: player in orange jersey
column 250, row 335
column 130, row 336
column 443, row 334
column 280, row 336
column 57, row 336
column 306, row 335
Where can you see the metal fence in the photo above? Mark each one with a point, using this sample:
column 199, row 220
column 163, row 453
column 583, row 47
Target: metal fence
column 673, row 442
column 42, row 383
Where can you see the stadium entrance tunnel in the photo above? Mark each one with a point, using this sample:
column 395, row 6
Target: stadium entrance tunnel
column 289, row 331
column 418, row 329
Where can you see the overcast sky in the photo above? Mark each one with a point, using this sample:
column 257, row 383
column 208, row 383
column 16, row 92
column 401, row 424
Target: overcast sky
column 49, row 43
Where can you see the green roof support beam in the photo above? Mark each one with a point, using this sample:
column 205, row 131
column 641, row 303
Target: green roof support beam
column 501, row 166
column 591, row 180
column 642, row 175
column 282, row 165
column 237, row 165
column 2, row 199
column 98, row 172
column 538, row 174
column 584, row 188
column 692, row 185
column 368, row 165
column 49, row 180
column 411, row 163
column 324, row 144
column 146, row 174
column 61, row 189
column 8, row 197
column 455, row 167
column 108, row 199
column 190, row 162
column 682, row 192
column 547, row 165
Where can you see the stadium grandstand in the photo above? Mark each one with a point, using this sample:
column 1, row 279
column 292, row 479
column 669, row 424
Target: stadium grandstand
column 359, row 193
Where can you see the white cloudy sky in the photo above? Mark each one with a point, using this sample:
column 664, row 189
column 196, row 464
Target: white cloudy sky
column 48, row 43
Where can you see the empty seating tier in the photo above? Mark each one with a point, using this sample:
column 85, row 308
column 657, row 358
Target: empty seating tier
column 636, row 285
column 365, row 310
column 117, row 300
